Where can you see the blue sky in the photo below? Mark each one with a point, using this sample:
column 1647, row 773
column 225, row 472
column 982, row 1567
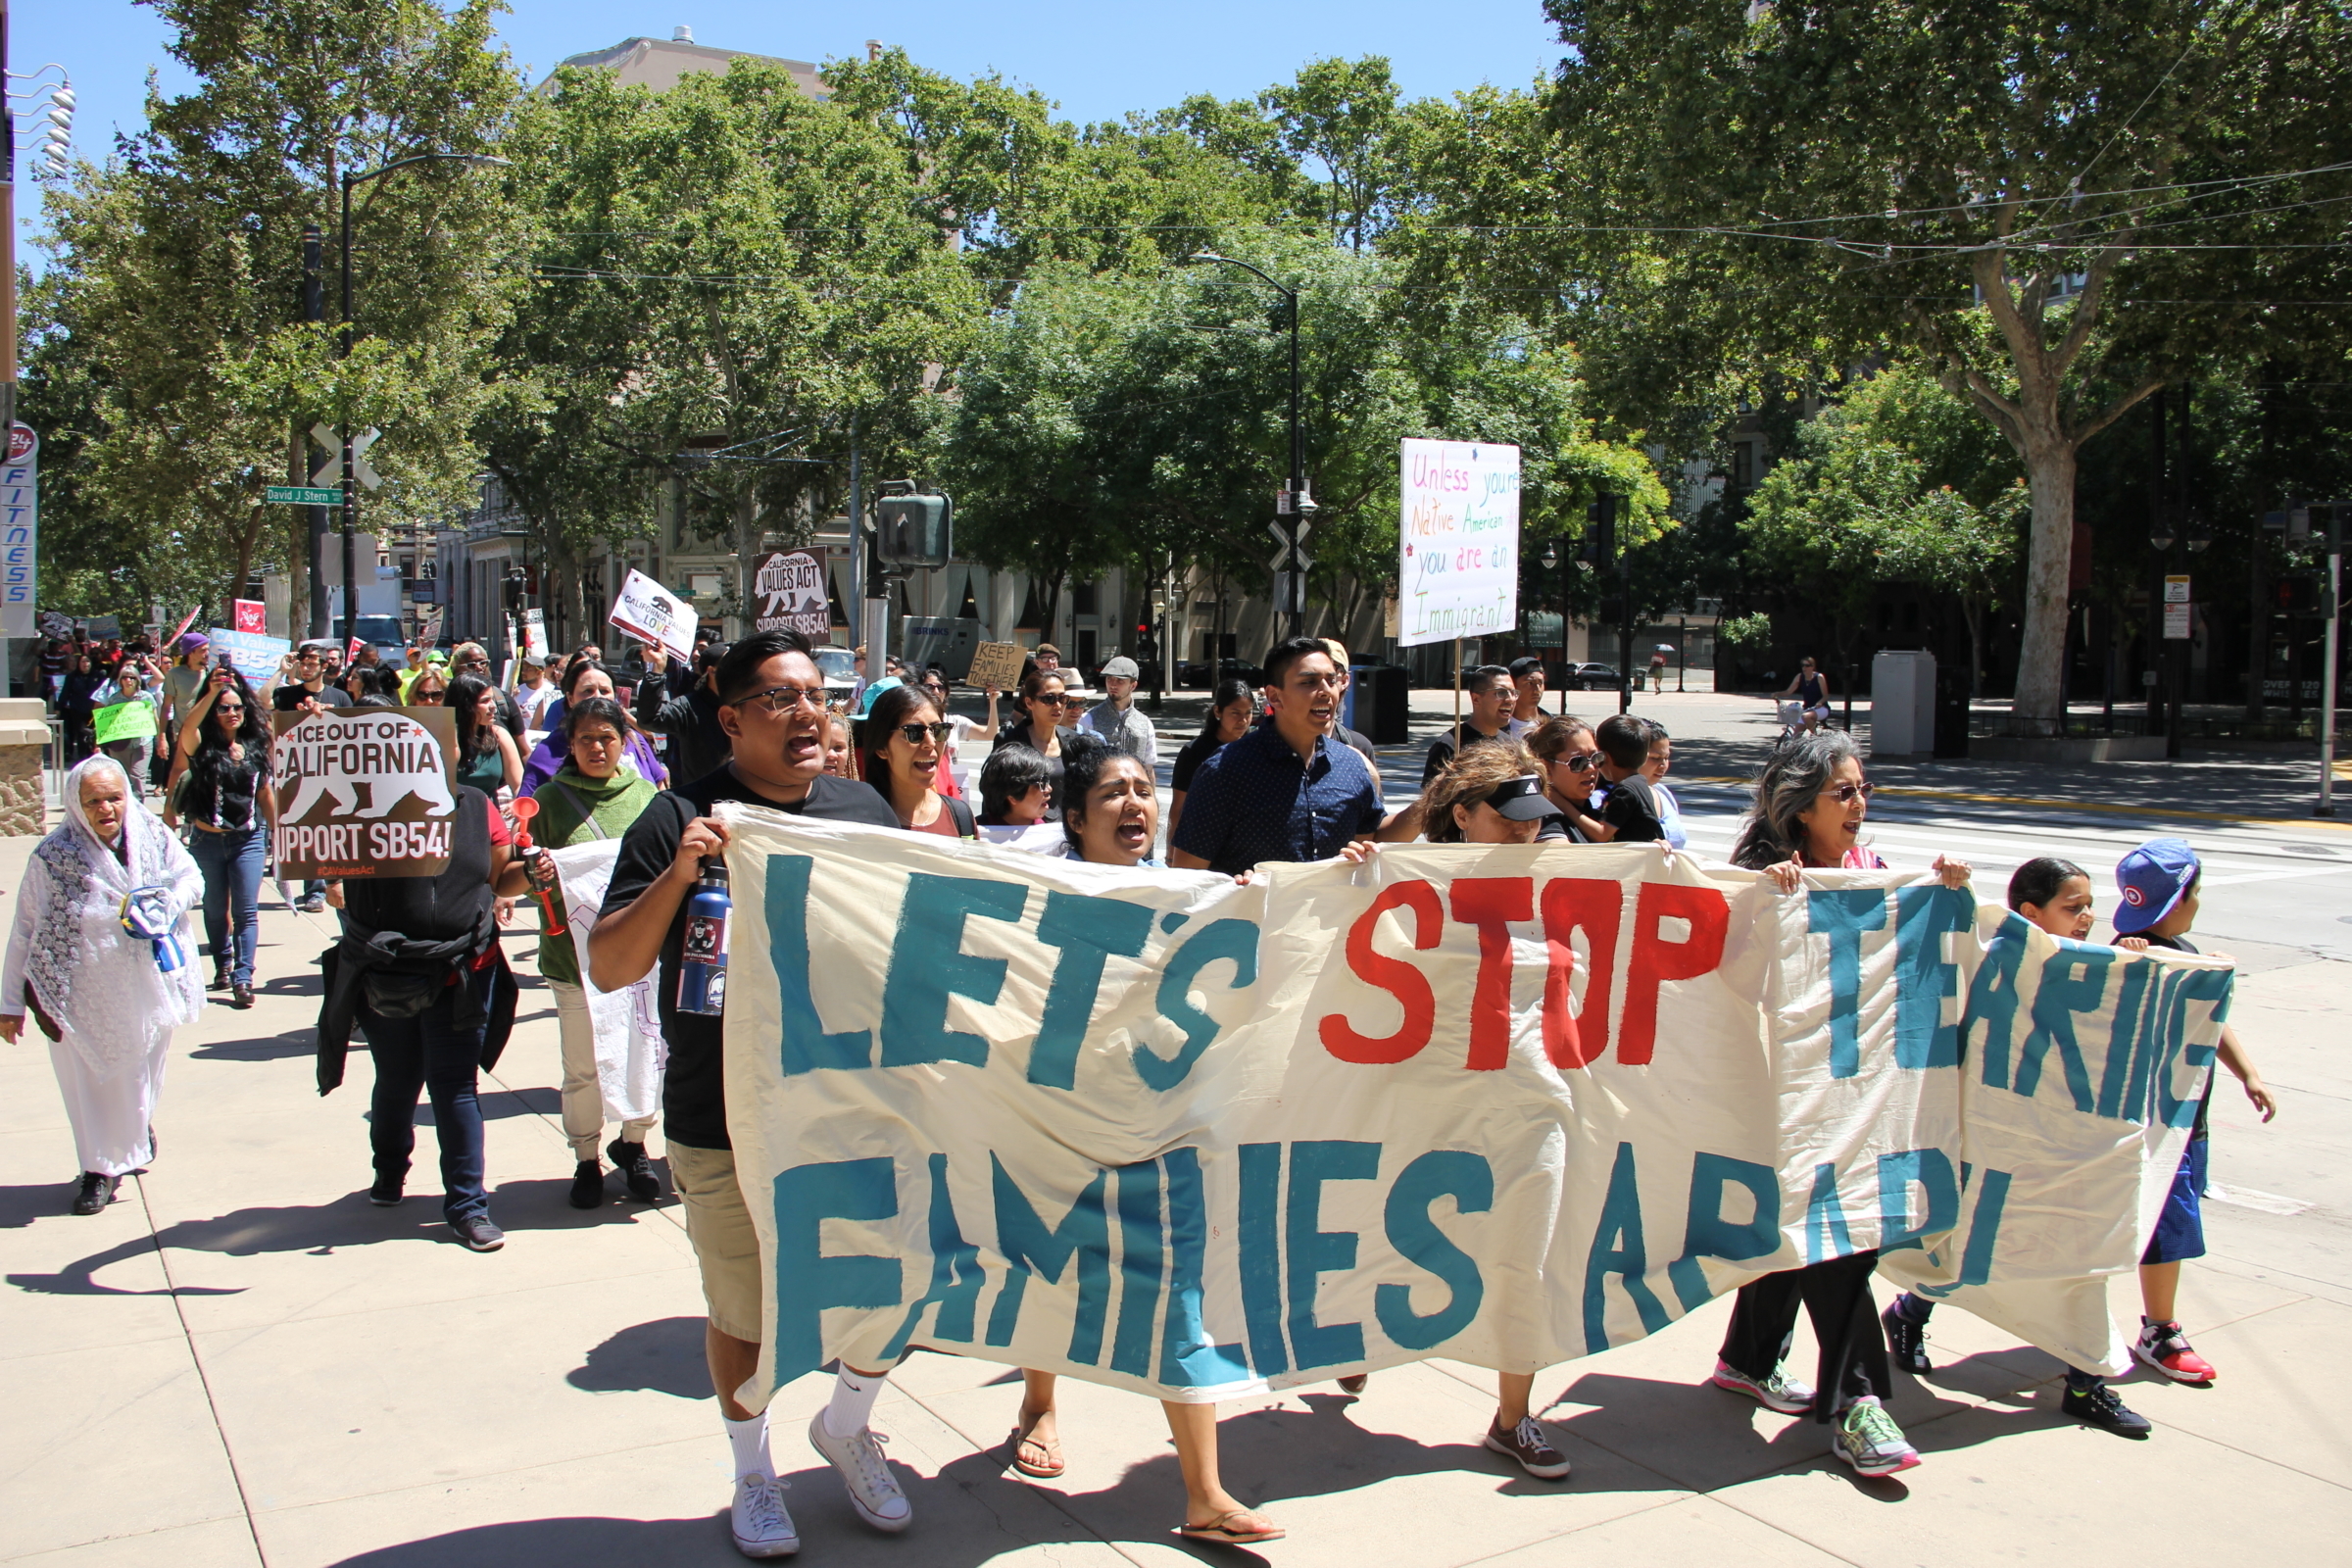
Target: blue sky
column 1097, row 60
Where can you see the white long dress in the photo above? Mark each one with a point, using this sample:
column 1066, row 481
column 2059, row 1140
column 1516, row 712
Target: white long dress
column 101, row 984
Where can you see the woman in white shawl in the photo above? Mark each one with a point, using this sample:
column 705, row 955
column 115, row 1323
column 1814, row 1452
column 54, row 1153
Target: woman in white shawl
column 107, row 996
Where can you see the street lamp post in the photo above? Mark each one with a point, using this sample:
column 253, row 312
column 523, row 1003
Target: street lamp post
column 351, row 499
column 2330, row 606
column 1295, row 505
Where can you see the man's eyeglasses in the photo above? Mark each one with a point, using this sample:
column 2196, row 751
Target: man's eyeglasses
column 915, row 733
column 777, row 698
column 1846, row 793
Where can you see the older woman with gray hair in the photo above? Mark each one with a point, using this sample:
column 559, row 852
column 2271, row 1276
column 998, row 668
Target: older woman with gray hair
column 102, row 952
column 1810, row 803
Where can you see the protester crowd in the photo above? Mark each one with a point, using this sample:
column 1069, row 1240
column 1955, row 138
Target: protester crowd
column 642, row 753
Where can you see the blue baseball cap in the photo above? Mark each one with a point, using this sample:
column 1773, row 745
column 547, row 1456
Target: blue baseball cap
column 2152, row 879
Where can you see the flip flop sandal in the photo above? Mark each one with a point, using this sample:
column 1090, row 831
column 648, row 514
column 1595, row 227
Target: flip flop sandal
column 1239, row 1527
column 1052, row 1450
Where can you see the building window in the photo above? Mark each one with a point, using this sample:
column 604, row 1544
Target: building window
column 1082, row 599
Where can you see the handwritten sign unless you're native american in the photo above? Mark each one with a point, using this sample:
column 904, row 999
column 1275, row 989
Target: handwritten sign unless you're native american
column 1457, row 566
column 367, row 792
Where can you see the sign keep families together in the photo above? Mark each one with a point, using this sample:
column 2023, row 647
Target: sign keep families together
column 1511, row 1106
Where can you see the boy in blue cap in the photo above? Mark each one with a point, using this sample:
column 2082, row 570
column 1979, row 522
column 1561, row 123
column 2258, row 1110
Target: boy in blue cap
column 2159, row 886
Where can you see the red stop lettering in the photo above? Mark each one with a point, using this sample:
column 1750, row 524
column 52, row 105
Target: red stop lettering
column 1491, row 903
column 1657, row 960
column 1594, row 906
column 1400, row 977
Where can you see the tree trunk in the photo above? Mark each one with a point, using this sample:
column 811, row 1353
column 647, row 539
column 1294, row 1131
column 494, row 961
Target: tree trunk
column 249, row 535
column 2038, row 707
column 748, row 532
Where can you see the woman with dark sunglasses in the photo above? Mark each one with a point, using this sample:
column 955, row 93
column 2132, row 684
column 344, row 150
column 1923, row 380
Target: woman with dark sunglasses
column 897, row 751
column 1569, row 764
column 229, row 797
column 1810, row 803
column 1039, row 710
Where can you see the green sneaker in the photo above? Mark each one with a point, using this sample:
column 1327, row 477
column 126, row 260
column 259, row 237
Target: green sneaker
column 1866, row 1438
column 1779, row 1392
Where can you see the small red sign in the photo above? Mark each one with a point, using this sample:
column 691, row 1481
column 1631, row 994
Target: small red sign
column 253, row 616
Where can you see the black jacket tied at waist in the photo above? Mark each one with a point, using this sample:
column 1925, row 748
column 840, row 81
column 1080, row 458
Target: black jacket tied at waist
column 395, row 976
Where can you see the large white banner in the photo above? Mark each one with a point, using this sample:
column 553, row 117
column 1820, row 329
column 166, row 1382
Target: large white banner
column 1457, row 562
column 630, row 1054
column 1511, row 1106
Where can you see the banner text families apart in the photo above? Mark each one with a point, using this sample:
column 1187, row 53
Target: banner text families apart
column 1509, row 1105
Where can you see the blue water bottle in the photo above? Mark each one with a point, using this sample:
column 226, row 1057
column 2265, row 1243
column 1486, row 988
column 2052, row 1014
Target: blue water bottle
column 703, row 966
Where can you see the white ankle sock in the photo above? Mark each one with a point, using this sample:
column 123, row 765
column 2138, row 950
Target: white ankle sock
column 852, row 1403
column 749, row 1440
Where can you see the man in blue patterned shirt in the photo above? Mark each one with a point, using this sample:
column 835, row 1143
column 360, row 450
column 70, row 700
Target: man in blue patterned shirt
column 1285, row 791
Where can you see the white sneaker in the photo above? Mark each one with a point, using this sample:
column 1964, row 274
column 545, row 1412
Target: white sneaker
column 873, row 1490
column 762, row 1529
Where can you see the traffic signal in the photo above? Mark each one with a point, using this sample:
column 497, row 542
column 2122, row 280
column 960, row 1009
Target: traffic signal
column 1599, row 546
column 915, row 530
column 2298, row 594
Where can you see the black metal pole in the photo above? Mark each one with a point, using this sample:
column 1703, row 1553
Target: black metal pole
column 1298, row 470
column 314, row 309
column 1567, row 567
column 351, row 498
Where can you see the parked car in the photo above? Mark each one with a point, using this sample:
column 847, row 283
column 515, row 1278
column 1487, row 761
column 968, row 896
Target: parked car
column 1595, row 679
column 1196, row 676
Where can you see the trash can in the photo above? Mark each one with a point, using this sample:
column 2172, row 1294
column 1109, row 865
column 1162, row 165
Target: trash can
column 1902, row 702
column 1951, row 711
column 1379, row 698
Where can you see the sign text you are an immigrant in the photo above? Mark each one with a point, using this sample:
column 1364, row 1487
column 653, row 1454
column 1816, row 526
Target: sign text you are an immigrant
column 1457, row 564
column 1509, row 1105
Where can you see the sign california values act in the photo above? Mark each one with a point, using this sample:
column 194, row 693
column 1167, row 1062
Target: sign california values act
column 1457, row 566
column 1510, row 1106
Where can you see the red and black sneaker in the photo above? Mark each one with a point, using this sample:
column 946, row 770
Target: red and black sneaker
column 2166, row 1349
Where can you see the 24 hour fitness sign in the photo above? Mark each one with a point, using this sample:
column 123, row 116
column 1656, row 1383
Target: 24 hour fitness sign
column 366, row 792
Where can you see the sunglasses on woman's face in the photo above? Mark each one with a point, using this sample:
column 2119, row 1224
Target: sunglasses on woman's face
column 426, row 697
column 1845, row 792
column 1579, row 762
column 1055, row 698
column 915, row 733
column 228, row 708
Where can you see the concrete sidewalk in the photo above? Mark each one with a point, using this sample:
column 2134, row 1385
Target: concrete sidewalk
column 243, row 1361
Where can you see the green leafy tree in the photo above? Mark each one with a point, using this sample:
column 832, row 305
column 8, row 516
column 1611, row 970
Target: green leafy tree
column 2059, row 207
column 179, row 276
column 729, row 265
column 1897, row 485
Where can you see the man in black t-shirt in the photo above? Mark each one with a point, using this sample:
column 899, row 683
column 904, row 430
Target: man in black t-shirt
column 1632, row 806
column 1493, row 694
column 772, row 706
